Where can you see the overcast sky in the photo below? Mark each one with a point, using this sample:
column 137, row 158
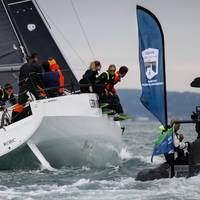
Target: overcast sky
column 111, row 28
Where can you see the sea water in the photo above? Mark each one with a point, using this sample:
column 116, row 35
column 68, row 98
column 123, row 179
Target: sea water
column 108, row 182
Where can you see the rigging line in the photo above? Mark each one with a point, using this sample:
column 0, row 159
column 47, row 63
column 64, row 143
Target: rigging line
column 64, row 37
column 14, row 29
column 83, row 30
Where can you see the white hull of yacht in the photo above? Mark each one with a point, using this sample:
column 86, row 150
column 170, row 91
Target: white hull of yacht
column 67, row 130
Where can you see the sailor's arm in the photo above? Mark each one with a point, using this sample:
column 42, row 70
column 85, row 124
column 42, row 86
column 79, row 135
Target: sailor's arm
column 179, row 144
column 102, row 78
column 176, row 140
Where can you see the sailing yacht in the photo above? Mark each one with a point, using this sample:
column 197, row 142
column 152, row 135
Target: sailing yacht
column 65, row 130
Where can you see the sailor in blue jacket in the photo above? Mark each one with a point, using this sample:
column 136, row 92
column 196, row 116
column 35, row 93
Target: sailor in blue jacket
column 51, row 81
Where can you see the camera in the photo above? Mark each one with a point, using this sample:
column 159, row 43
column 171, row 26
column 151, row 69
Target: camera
column 196, row 115
column 198, row 110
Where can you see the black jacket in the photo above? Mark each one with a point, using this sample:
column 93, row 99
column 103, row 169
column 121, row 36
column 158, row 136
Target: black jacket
column 89, row 78
column 29, row 72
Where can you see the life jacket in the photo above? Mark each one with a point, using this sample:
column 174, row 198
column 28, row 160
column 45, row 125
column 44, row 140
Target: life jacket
column 111, row 81
column 3, row 96
column 55, row 67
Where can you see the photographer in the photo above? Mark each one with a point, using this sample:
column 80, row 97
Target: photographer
column 181, row 148
column 197, row 128
column 196, row 118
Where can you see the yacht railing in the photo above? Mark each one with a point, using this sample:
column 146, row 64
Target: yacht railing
column 33, row 80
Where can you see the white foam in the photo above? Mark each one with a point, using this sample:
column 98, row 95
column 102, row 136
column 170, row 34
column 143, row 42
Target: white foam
column 85, row 168
column 147, row 159
column 81, row 182
column 123, row 188
column 125, row 154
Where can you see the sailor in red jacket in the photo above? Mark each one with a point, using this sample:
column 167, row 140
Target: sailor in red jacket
column 110, row 78
column 111, row 92
column 117, row 78
column 55, row 67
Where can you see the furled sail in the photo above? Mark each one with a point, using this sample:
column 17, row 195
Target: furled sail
column 152, row 64
column 35, row 36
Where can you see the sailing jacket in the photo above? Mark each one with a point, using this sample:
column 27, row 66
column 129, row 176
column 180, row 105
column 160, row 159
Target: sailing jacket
column 109, row 81
column 30, row 73
column 55, row 67
column 51, row 83
column 110, row 86
column 89, row 78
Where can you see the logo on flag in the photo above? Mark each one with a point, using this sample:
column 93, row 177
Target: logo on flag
column 150, row 57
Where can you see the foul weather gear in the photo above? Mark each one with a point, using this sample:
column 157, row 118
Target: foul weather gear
column 55, row 67
column 51, row 83
column 110, row 83
column 89, row 79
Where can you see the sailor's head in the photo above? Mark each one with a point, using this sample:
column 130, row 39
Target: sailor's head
column 8, row 88
column 52, row 61
column 123, row 71
column 177, row 126
column 33, row 57
column 112, row 69
column 95, row 65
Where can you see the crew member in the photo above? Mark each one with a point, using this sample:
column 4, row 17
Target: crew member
column 110, row 78
column 117, row 78
column 181, row 148
column 7, row 97
column 51, row 80
column 30, row 80
column 102, row 80
column 88, row 81
column 55, row 67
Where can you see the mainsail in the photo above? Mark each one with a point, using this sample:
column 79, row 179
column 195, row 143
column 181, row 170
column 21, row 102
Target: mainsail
column 35, row 36
column 152, row 64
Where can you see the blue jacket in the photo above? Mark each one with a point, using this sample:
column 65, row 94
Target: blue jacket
column 51, row 83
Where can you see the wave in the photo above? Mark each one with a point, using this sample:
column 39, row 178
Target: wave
column 147, row 159
column 119, row 188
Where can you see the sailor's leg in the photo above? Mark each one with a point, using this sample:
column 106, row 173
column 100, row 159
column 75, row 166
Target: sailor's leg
column 170, row 161
column 100, row 90
column 117, row 105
